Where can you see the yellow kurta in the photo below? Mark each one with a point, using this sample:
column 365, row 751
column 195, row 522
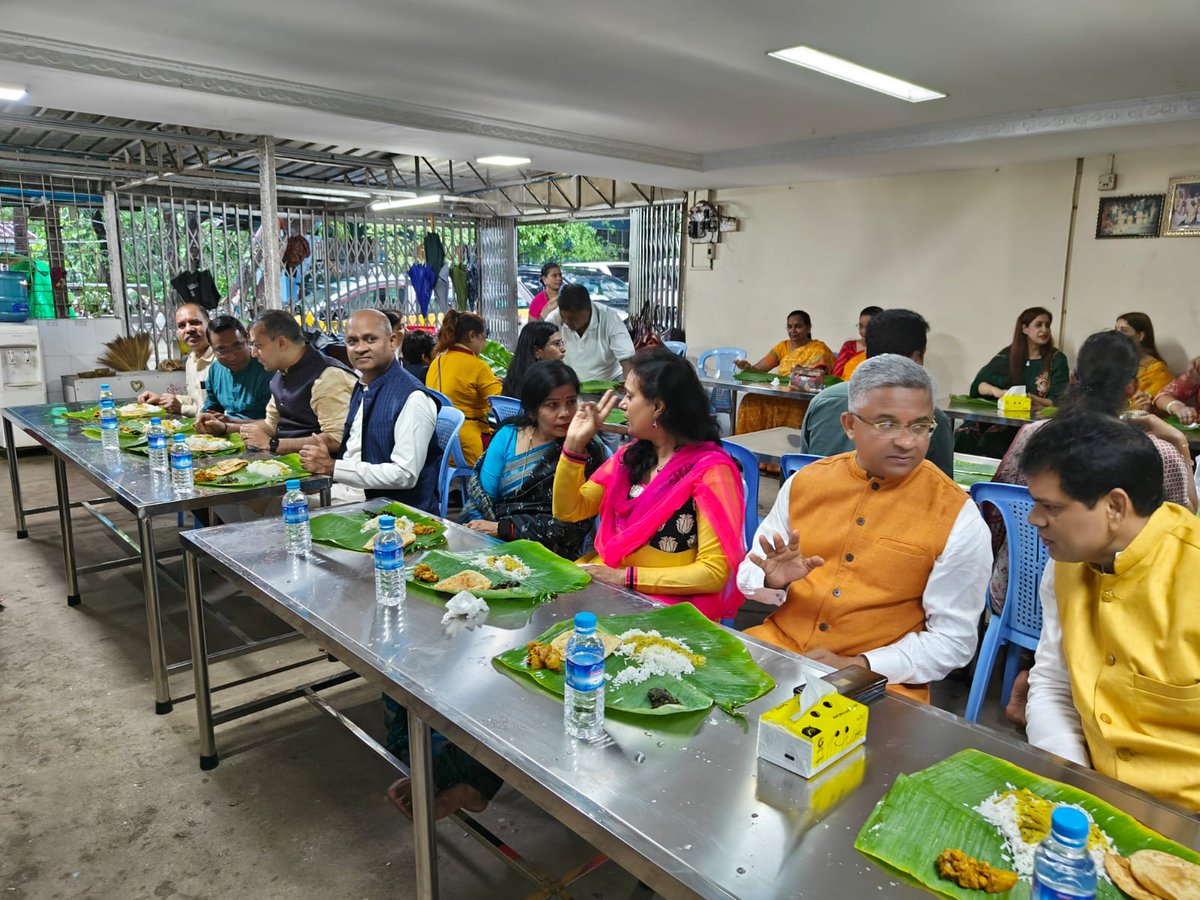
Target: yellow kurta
column 1132, row 644
column 758, row 413
column 468, row 381
column 1153, row 375
column 702, row 570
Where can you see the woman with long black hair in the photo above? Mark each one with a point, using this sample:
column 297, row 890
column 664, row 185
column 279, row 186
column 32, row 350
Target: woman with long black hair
column 537, row 342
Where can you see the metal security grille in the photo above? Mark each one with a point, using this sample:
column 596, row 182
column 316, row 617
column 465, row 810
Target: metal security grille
column 334, row 262
column 498, row 262
column 655, row 263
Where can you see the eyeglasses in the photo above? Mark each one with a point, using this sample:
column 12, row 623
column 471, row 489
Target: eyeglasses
column 560, row 344
column 226, row 351
column 893, row 429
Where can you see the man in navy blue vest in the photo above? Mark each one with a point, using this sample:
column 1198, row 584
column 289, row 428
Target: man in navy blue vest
column 310, row 392
column 389, row 448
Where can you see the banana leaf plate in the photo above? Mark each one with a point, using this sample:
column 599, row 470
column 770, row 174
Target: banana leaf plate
column 93, row 413
column 933, row 810
column 172, row 426
column 728, row 678
column 968, row 473
column 1174, row 421
column 748, row 377
column 131, row 433
column 239, row 447
column 597, row 387
column 242, row 479
column 550, row 573
column 345, row 530
column 973, row 402
column 617, row 417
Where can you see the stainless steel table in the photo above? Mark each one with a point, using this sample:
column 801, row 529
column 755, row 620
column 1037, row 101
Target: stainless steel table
column 729, row 383
column 770, row 445
column 690, row 814
column 128, row 481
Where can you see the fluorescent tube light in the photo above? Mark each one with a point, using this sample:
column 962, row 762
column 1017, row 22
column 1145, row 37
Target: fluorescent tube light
column 12, row 92
column 403, row 202
column 503, row 160
column 837, row 67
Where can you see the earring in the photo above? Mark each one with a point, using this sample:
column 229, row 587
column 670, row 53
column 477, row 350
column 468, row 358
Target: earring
column 654, row 424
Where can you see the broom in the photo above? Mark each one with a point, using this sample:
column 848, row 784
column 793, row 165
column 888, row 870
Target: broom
column 126, row 354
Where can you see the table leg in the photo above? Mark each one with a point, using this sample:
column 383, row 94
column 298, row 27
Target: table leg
column 424, row 827
column 199, row 642
column 14, row 477
column 158, row 653
column 68, row 535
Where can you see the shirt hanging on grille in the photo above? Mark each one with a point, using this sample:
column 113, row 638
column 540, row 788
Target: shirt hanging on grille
column 197, row 287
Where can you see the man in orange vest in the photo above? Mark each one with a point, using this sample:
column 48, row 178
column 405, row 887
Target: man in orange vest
column 1116, row 682
column 875, row 557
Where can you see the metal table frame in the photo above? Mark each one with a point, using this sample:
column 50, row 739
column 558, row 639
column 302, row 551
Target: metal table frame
column 605, row 792
column 752, row 387
column 131, row 490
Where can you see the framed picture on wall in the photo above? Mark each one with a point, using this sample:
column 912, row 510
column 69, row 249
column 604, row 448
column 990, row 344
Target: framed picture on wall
column 1131, row 216
column 1183, row 207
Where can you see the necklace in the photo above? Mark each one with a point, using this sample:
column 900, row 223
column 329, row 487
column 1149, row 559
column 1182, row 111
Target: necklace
column 638, row 489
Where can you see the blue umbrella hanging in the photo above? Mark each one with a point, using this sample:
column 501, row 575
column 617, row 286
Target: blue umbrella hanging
column 422, row 278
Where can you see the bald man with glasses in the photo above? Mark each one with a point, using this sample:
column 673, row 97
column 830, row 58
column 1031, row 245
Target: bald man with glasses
column 875, row 557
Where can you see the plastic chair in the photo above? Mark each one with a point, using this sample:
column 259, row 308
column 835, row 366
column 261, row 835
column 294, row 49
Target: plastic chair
column 1020, row 623
column 679, row 348
column 791, row 463
column 721, row 399
column 748, row 463
column 442, row 398
column 453, row 465
column 504, row 407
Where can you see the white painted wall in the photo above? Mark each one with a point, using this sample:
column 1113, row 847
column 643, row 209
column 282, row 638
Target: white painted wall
column 969, row 250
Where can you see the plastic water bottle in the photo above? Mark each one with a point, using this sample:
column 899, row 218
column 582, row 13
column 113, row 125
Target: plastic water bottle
column 1062, row 867
column 181, row 466
column 110, row 437
column 583, row 691
column 295, row 520
column 106, row 394
column 156, row 439
column 389, row 564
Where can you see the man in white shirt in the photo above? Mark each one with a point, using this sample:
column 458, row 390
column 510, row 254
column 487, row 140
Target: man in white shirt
column 390, row 445
column 191, row 325
column 896, row 557
column 598, row 344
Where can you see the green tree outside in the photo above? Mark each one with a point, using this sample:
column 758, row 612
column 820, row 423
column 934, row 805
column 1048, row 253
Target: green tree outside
column 564, row 242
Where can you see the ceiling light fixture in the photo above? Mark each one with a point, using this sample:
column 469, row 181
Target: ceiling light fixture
column 12, row 92
column 836, row 67
column 403, row 202
column 503, row 160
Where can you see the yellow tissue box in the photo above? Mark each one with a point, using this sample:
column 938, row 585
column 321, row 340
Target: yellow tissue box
column 1014, row 404
column 808, row 743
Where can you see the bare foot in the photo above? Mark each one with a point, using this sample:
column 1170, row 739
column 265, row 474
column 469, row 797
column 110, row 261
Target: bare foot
column 445, row 802
column 1015, row 711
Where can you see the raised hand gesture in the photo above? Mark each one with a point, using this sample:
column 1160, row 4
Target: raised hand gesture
column 588, row 419
column 782, row 562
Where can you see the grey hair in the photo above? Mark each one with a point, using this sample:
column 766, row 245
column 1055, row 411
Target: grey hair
column 884, row 371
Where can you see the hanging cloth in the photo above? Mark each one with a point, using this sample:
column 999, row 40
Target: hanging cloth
column 435, row 251
column 197, row 287
column 458, row 278
column 422, row 277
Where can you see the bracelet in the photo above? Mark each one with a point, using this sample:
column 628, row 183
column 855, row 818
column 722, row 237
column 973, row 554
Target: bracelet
column 574, row 457
column 629, row 579
column 1171, row 405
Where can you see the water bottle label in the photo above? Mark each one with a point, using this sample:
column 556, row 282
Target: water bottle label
column 157, row 442
column 1045, row 892
column 182, row 463
column 388, row 559
column 295, row 514
column 109, row 423
column 585, row 674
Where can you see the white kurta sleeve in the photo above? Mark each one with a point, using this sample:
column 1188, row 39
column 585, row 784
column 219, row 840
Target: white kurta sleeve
column 1053, row 720
column 750, row 576
column 953, row 602
column 412, row 433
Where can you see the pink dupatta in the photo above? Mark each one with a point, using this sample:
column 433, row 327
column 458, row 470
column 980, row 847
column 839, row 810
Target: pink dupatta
column 628, row 523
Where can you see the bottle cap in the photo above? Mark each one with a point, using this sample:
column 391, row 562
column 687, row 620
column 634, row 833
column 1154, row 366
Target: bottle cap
column 585, row 621
column 180, row 439
column 104, row 387
column 292, row 484
column 156, row 420
column 387, row 523
column 1070, row 826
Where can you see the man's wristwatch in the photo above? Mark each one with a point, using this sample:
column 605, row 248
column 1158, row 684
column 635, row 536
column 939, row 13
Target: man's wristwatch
column 273, row 445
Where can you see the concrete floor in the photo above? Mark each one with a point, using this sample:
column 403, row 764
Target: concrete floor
column 99, row 797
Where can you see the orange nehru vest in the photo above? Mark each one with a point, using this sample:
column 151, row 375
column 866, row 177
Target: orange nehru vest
column 879, row 540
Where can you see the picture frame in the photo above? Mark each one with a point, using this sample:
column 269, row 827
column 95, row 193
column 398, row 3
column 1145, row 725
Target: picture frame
column 1181, row 213
column 1129, row 216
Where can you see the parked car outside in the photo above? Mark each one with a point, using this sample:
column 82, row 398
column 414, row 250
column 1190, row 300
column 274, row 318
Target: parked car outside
column 605, row 288
column 613, row 268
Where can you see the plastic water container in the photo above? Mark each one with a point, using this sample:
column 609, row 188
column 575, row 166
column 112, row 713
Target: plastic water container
column 110, row 435
column 181, row 466
column 156, row 440
column 295, row 520
column 583, row 690
column 390, row 589
column 1062, row 867
column 14, row 297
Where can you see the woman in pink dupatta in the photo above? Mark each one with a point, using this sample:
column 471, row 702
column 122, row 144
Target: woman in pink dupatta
column 670, row 503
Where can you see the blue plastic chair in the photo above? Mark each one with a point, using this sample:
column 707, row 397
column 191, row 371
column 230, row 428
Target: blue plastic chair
column 1020, row 623
column 504, row 407
column 791, row 463
column 748, row 463
column 679, row 348
column 442, row 398
column 449, row 423
column 721, row 398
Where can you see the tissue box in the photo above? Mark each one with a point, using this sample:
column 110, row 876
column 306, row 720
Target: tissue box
column 1014, row 404
column 806, row 744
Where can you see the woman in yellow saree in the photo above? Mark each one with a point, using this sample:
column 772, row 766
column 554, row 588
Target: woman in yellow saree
column 755, row 412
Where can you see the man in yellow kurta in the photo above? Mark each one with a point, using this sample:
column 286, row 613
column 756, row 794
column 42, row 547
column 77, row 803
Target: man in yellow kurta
column 895, row 556
column 1116, row 680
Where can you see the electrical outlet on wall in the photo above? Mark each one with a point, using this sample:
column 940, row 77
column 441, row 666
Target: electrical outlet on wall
column 1108, row 181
